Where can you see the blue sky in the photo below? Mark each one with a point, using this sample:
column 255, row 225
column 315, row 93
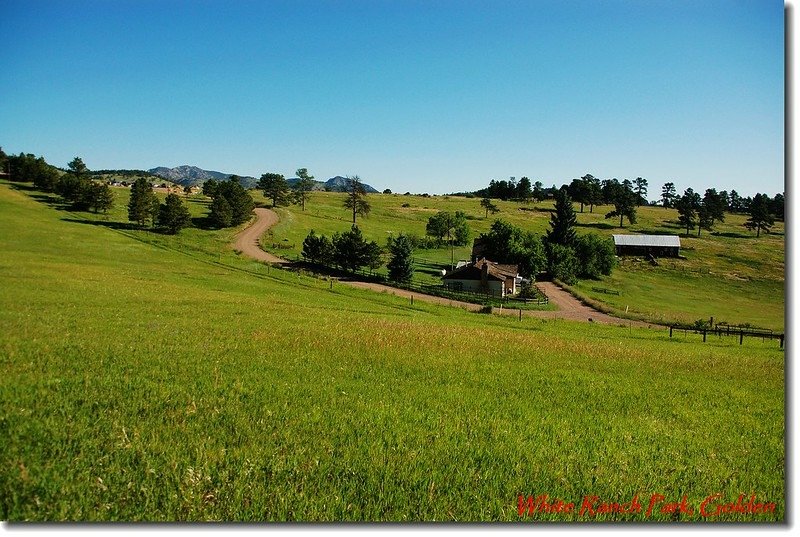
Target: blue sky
column 422, row 96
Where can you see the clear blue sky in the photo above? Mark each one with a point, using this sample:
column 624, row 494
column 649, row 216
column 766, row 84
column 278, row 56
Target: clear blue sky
column 423, row 96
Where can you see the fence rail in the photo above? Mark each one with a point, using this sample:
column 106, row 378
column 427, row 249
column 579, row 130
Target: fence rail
column 725, row 330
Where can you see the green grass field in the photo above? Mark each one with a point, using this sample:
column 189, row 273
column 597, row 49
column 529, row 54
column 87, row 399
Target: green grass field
column 730, row 275
column 147, row 377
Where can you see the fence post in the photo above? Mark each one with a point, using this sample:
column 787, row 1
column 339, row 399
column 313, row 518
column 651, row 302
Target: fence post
column 782, row 335
column 704, row 336
column 670, row 331
column 412, row 300
column 520, row 314
column 741, row 336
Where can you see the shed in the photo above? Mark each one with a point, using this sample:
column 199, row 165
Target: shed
column 655, row 245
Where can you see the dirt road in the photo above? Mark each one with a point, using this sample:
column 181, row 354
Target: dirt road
column 568, row 306
column 247, row 241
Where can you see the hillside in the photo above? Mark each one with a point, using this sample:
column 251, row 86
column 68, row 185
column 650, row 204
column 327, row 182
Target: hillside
column 150, row 377
column 192, row 175
column 728, row 274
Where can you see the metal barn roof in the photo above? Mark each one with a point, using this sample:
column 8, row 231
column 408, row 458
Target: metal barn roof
column 672, row 241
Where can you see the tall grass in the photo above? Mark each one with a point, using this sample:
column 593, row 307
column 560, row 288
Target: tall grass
column 140, row 380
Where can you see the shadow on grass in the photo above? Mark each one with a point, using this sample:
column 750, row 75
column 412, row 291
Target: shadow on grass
column 732, row 235
column 126, row 226
column 598, row 225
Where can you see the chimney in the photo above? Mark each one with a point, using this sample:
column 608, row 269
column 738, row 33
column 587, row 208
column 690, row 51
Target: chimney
column 485, row 275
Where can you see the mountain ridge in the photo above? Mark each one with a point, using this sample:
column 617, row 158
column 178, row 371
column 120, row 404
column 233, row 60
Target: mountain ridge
column 187, row 175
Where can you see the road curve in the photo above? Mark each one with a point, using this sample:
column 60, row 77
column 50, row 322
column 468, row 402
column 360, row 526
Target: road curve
column 570, row 308
column 247, row 240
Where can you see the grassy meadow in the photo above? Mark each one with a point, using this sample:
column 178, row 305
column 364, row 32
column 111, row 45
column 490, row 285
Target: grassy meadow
column 148, row 377
column 728, row 274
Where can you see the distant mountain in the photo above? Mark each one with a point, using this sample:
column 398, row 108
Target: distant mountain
column 339, row 184
column 192, row 175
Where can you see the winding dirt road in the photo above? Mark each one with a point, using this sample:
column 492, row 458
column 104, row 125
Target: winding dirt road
column 570, row 308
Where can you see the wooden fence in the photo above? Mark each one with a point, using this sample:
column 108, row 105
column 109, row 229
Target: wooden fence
column 726, row 330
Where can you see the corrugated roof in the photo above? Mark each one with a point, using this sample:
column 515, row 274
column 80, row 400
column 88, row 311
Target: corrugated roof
column 648, row 240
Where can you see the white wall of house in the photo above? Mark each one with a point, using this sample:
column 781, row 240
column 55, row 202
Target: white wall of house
column 474, row 286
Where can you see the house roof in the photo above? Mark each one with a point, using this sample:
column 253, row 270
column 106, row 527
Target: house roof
column 494, row 271
column 669, row 241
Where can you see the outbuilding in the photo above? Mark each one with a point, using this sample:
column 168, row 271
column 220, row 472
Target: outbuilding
column 655, row 245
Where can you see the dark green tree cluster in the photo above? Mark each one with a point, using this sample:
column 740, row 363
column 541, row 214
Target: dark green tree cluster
column 28, row 168
column 623, row 198
column 507, row 243
column 586, row 191
column 317, row 249
column 78, row 189
column 347, row 250
column 449, row 227
column 760, row 215
column 231, row 204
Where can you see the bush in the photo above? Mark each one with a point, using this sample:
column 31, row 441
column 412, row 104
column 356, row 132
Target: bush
column 596, row 256
column 562, row 263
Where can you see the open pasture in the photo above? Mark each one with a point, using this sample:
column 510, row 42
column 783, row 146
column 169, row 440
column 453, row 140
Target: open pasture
column 147, row 377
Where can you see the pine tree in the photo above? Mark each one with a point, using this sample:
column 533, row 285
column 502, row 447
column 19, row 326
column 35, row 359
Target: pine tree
column 303, row 187
column 173, row 215
column 688, row 207
column 143, row 205
column 221, row 214
column 401, row 265
column 275, row 188
column 562, row 221
column 760, row 217
column 356, row 198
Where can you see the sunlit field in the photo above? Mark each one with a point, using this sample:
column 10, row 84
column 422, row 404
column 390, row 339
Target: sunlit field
column 159, row 378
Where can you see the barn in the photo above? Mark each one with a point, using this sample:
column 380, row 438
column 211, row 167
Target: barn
column 483, row 277
column 655, row 245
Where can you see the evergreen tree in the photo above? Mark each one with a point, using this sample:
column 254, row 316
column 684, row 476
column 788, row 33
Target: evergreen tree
column 562, row 221
column 143, row 205
column 688, row 207
column 240, row 201
column 221, row 215
column 641, row 191
column 101, row 197
column 275, row 188
column 303, row 187
column 351, row 251
column 317, row 249
column 668, row 195
column 401, row 264
column 593, row 193
column 624, row 200
column 210, row 188
column 524, row 190
column 356, row 199
column 487, row 204
column 173, row 214
column 760, row 217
